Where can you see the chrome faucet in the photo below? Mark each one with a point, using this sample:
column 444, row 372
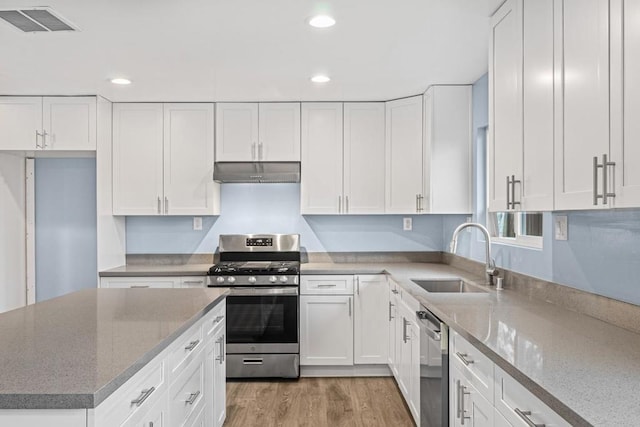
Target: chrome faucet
column 490, row 270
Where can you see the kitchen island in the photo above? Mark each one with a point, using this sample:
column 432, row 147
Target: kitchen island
column 65, row 359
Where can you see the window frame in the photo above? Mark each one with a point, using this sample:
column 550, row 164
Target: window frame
column 521, row 240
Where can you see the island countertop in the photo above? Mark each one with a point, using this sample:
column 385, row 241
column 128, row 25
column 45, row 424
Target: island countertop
column 74, row 351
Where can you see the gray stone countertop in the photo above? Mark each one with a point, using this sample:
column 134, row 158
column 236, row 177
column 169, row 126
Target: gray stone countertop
column 587, row 370
column 74, row 351
column 157, row 270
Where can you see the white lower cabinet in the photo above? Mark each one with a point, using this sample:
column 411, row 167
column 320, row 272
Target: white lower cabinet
column 370, row 317
column 482, row 394
column 326, row 330
column 393, row 314
column 215, row 370
column 408, row 357
column 153, row 282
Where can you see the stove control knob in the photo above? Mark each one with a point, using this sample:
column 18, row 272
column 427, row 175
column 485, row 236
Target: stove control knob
column 273, row 279
column 220, row 279
column 231, row 279
column 284, row 279
column 251, row 279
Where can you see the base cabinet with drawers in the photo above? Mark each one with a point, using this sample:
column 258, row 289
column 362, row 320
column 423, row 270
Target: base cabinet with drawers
column 482, row 394
column 154, row 282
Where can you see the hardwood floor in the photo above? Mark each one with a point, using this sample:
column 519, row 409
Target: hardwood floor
column 316, row 402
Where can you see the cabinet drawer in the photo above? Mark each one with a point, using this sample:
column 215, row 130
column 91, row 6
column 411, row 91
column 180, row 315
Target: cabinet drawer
column 517, row 403
column 214, row 319
column 475, row 366
column 139, row 282
column 334, row 285
column 187, row 393
column 186, row 349
column 137, row 398
column 193, row 282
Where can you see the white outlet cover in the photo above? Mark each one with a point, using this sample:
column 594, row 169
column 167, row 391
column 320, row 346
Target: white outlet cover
column 407, row 224
column 197, row 223
column 560, row 227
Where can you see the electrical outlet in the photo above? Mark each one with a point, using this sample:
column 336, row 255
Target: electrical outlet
column 197, row 223
column 407, row 224
column 560, row 227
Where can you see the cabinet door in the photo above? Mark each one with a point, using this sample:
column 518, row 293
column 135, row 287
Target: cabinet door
column 370, row 320
column 326, row 330
column 393, row 314
column 582, row 100
column 236, row 132
column 537, row 82
column 188, row 160
column 69, row 123
column 215, row 378
column 625, row 69
column 505, row 103
column 468, row 407
column 157, row 415
column 20, row 122
column 321, row 181
column 364, row 162
column 137, row 159
column 447, row 149
column 414, row 371
column 404, row 155
column 279, row 130
column 140, row 282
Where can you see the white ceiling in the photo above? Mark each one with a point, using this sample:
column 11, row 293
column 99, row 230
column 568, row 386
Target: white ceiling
column 248, row 50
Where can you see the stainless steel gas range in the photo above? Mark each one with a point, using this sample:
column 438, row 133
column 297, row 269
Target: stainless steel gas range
column 263, row 272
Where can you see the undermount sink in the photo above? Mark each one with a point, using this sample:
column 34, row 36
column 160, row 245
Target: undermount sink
column 448, row 286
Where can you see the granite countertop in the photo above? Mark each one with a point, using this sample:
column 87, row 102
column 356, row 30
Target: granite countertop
column 585, row 369
column 74, row 351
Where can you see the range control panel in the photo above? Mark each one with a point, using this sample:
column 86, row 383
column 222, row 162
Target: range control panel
column 259, row 241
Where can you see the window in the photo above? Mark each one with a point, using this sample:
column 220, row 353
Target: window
column 518, row 228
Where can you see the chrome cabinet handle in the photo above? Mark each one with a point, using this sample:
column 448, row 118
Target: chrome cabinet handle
column 346, row 203
column 458, row 411
column 44, row 139
column 394, row 291
column 463, row 358
column 194, row 282
column 390, row 315
column 525, row 417
column 596, row 196
column 220, row 358
column 144, row 395
column 38, row 134
column 462, row 410
column 417, row 203
column 256, row 361
column 514, row 181
column 217, row 319
column 508, row 192
column 139, row 286
column 605, row 179
column 223, row 352
column 339, row 204
column 260, row 151
column 326, row 285
column 159, row 206
column 192, row 398
column 358, row 285
column 253, row 151
column 405, row 323
column 349, row 306
column 166, row 205
column 192, row 345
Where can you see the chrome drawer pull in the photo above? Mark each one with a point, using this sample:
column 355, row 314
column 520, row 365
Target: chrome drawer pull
column 143, row 396
column 192, row 345
column 525, row 417
column 462, row 410
column 394, row 291
column 463, row 357
column 332, row 285
column 252, row 361
column 217, row 319
column 139, row 286
column 192, row 398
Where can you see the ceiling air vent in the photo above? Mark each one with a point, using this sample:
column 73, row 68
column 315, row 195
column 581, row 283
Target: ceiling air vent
column 36, row 20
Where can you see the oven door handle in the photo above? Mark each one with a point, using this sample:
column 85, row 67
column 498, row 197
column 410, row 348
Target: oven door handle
column 264, row 291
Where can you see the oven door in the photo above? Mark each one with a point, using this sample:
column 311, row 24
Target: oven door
column 262, row 320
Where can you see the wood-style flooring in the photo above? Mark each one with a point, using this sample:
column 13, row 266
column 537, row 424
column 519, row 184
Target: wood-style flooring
column 316, row 402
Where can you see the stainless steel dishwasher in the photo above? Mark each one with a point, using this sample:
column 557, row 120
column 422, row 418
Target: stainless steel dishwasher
column 434, row 370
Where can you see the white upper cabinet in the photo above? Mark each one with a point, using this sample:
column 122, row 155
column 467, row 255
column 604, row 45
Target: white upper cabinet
column 364, row 158
column 322, row 163
column 521, row 113
column 505, row 105
column 447, row 150
column 49, row 123
column 258, row 132
column 404, row 156
column 279, row 131
column 582, row 102
column 188, row 159
column 625, row 105
column 163, row 159
column 137, row 159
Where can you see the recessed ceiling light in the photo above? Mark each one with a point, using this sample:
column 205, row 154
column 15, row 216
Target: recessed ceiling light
column 320, row 79
column 322, row 21
column 121, row 81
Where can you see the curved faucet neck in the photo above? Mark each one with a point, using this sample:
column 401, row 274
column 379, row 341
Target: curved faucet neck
column 490, row 264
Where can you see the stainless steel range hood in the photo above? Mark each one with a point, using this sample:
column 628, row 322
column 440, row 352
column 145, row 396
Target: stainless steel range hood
column 256, row 172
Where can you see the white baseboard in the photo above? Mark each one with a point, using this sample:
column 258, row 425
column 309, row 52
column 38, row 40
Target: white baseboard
column 345, row 371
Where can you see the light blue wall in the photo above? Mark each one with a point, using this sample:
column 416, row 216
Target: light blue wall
column 65, row 221
column 602, row 254
column 275, row 208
